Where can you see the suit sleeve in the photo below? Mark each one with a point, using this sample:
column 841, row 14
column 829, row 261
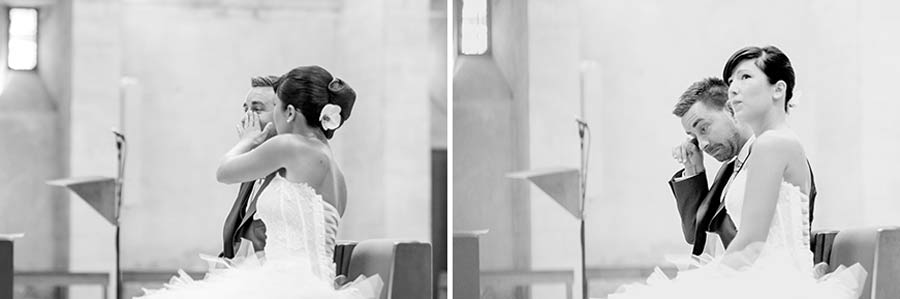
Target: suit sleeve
column 688, row 195
column 233, row 219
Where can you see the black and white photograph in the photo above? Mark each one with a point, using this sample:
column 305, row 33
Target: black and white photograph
column 470, row 149
column 675, row 149
column 223, row 149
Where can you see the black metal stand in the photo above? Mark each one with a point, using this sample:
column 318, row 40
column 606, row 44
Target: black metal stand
column 118, row 268
column 582, row 128
column 120, row 146
column 584, row 281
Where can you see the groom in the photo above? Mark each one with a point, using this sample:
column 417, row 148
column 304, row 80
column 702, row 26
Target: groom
column 241, row 222
column 713, row 128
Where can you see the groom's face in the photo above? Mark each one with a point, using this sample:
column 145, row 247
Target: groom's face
column 261, row 100
column 715, row 130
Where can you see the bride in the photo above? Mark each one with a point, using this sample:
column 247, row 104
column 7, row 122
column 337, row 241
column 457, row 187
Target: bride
column 301, row 207
column 768, row 199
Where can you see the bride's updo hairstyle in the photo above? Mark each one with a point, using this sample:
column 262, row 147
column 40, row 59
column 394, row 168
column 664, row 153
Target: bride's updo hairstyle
column 771, row 61
column 310, row 89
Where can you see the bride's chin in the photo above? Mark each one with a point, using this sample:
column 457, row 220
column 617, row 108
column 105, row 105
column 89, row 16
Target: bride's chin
column 741, row 115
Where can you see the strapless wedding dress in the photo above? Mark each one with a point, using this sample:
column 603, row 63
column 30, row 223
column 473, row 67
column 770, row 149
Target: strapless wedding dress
column 780, row 267
column 297, row 260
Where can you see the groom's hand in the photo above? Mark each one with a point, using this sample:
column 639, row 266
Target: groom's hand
column 688, row 154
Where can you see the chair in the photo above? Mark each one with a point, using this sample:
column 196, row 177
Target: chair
column 878, row 251
column 404, row 266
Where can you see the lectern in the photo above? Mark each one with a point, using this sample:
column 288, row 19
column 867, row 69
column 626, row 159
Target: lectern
column 567, row 187
column 104, row 195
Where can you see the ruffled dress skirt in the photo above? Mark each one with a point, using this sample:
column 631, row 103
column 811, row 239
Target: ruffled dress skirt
column 252, row 276
column 774, row 274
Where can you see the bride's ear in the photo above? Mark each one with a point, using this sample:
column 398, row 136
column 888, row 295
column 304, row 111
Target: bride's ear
column 291, row 113
column 780, row 90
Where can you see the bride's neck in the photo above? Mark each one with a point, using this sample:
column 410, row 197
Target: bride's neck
column 309, row 132
column 773, row 119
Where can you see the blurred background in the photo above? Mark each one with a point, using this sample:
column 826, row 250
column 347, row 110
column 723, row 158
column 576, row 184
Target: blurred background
column 172, row 76
column 517, row 90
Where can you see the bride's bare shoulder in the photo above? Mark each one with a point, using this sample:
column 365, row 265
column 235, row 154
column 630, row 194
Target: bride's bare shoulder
column 784, row 139
column 779, row 142
column 296, row 147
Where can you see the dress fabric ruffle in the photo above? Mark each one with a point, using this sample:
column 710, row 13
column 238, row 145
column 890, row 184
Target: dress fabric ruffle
column 747, row 274
column 250, row 275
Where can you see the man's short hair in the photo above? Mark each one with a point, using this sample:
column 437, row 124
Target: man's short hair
column 712, row 92
column 263, row 81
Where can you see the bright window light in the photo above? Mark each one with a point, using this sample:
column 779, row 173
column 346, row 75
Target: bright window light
column 474, row 27
column 22, row 38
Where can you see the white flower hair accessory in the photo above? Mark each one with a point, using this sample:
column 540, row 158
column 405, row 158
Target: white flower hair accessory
column 330, row 117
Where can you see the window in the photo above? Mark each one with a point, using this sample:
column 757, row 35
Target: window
column 22, row 43
column 474, row 27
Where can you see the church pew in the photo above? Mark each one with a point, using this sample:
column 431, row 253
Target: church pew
column 404, row 266
column 877, row 249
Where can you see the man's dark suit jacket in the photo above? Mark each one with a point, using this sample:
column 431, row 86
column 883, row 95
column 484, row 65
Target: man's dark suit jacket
column 240, row 223
column 702, row 211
